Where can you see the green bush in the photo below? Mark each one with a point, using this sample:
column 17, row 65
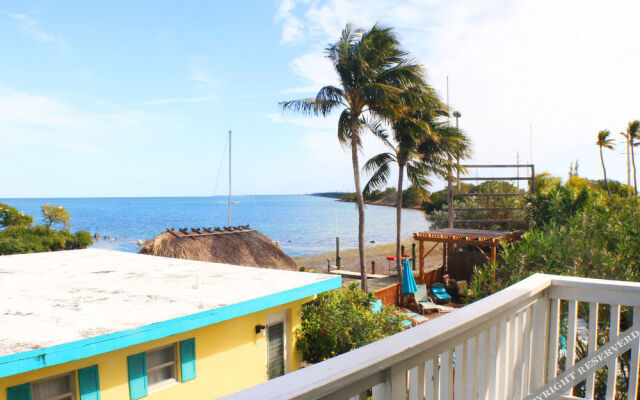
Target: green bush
column 9, row 216
column 340, row 321
column 19, row 236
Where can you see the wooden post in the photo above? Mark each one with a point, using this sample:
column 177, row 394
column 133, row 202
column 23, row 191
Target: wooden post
column 449, row 251
column 401, row 252
column 450, row 203
column 413, row 256
column 494, row 253
column 373, row 267
column 444, row 256
column 338, row 261
column 532, row 188
column 328, row 266
column 422, row 258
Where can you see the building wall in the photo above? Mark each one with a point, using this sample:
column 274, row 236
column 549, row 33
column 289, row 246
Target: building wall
column 230, row 356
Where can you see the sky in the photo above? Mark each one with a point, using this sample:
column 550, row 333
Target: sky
column 124, row 98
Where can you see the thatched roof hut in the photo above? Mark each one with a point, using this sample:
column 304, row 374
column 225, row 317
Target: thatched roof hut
column 247, row 248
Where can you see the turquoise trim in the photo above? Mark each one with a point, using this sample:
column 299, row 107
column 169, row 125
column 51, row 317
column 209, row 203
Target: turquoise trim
column 137, row 369
column 187, row 360
column 35, row 359
column 21, row 392
column 89, row 383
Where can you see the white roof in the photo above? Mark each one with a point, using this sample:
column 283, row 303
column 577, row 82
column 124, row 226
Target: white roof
column 54, row 298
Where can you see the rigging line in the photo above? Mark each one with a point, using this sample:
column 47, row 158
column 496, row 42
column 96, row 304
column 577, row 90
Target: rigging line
column 226, row 142
column 255, row 210
column 215, row 190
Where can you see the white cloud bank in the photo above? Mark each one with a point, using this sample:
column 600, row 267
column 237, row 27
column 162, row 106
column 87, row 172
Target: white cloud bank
column 568, row 68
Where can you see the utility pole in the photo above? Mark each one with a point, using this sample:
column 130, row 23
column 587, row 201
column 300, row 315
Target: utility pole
column 530, row 144
column 457, row 115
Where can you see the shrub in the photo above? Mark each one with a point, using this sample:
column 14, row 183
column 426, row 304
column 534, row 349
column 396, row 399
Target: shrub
column 342, row 320
column 19, row 236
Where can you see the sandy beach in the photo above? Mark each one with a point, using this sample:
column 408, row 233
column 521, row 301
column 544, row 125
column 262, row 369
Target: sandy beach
column 375, row 252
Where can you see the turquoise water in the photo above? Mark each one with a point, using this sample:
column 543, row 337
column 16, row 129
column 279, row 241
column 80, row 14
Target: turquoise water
column 302, row 224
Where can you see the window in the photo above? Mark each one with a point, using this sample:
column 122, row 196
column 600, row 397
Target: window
column 61, row 387
column 277, row 344
column 158, row 367
column 161, row 366
column 58, row 388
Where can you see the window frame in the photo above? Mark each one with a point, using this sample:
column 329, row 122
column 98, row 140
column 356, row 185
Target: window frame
column 73, row 386
column 174, row 368
column 274, row 319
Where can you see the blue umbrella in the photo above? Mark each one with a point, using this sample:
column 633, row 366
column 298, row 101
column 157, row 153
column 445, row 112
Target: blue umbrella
column 408, row 282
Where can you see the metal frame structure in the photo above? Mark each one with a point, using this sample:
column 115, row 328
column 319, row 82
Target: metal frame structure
column 451, row 194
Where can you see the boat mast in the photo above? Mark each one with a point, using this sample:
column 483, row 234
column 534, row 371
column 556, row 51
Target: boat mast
column 230, row 178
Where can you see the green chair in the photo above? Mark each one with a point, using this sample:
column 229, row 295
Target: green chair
column 423, row 301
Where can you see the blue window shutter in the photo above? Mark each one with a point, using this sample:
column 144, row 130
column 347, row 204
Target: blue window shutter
column 22, row 392
column 188, row 359
column 89, row 383
column 137, row 365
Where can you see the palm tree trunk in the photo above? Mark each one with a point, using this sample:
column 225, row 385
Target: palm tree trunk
column 633, row 163
column 399, row 222
column 628, row 166
column 360, row 203
column 605, row 172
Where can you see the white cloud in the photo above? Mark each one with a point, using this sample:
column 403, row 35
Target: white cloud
column 31, row 29
column 569, row 68
column 292, row 27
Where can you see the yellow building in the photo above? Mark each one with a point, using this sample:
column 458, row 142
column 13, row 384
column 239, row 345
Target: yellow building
column 105, row 325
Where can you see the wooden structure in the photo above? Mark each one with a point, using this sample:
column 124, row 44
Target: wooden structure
column 484, row 241
column 451, row 194
column 182, row 233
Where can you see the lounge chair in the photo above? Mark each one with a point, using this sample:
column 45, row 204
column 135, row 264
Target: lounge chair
column 440, row 293
column 423, row 301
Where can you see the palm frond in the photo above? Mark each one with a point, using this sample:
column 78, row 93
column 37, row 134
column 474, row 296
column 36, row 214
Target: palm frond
column 310, row 106
column 380, row 165
column 419, row 177
column 344, row 127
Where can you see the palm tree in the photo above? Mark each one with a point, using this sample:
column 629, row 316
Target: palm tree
column 372, row 69
column 607, row 143
column 633, row 133
column 423, row 148
column 626, row 140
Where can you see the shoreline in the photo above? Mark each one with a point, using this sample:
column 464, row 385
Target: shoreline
column 375, row 252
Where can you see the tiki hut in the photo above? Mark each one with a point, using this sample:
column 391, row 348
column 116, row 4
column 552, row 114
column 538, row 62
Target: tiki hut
column 237, row 246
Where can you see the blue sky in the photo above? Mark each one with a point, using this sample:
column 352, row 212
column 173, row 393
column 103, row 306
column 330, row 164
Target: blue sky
column 132, row 99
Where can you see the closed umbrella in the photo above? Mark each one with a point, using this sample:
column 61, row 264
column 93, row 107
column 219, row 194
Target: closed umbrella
column 408, row 282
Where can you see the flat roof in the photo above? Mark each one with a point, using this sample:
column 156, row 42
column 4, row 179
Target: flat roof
column 53, row 302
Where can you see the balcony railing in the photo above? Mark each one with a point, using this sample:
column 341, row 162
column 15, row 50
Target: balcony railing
column 504, row 346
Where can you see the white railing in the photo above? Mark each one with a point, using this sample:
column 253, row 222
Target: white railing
column 504, row 346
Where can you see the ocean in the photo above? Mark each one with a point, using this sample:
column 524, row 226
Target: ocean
column 302, row 224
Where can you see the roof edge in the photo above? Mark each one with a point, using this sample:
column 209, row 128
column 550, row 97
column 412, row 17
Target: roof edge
column 31, row 360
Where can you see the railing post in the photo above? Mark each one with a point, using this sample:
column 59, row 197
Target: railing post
column 338, row 261
column 328, row 266
column 539, row 349
column 398, row 382
column 373, row 267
